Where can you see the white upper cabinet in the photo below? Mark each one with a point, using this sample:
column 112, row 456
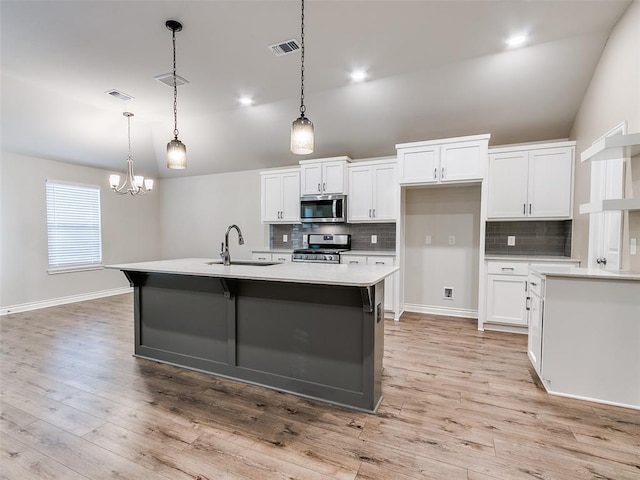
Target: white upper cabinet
column 373, row 194
column 527, row 182
column 324, row 177
column 449, row 160
column 280, row 196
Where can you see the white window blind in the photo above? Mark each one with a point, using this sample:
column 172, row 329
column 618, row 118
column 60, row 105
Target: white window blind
column 74, row 237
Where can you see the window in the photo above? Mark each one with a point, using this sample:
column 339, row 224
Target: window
column 74, row 237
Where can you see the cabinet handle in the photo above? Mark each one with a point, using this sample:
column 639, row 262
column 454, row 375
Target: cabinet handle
column 324, row 187
column 374, row 212
column 524, row 208
column 534, row 284
column 504, row 269
column 353, row 261
column 369, row 213
column 319, row 188
column 435, row 173
column 528, row 303
column 442, row 174
column 529, row 209
column 379, row 263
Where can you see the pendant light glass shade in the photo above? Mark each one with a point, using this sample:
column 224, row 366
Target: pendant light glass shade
column 302, row 127
column 302, row 136
column 176, row 155
column 176, row 150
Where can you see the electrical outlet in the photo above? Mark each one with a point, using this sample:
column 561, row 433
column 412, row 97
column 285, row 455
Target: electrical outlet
column 427, row 240
column 633, row 248
column 374, row 238
column 447, row 293
column 511, row 241
column 452, row 239
column 285, row 238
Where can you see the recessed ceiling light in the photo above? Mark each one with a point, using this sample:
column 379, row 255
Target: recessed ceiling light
column 516, row 41
column 358, row 75
column 245, row 100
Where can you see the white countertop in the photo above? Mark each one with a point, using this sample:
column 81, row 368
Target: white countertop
column 371, row 253
column 575, row 272
column 272, row 250
column 326, row 274
column 531, row 258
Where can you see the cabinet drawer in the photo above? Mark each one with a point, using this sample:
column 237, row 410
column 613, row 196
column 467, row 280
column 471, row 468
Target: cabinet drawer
column 508, row 268
column 353, row 260
column 536, row 284
column 280, row 257
column 375, row 260
column 265, row 257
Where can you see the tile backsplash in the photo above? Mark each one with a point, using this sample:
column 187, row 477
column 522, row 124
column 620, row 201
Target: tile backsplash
column 551, row 238
column 360, row 234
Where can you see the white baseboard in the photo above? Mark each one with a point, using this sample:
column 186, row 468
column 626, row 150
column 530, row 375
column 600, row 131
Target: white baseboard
column 433, row 310
column 25, row 307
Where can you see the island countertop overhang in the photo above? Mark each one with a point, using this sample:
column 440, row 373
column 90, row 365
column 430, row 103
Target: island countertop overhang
column 325, row 274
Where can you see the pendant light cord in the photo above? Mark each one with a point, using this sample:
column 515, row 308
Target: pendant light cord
column 302, row 107
column 129, row 135
column 175, row 89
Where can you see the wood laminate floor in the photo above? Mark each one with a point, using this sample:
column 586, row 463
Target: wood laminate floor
column 458, row 404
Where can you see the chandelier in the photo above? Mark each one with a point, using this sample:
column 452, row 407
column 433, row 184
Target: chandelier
column 132, row 184
column 176, row 150
column 302, row 127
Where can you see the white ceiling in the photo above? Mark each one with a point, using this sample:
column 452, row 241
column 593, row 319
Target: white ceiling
column 437, row 69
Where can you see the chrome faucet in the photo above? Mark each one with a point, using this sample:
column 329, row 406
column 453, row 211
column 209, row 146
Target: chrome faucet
column 224, row 247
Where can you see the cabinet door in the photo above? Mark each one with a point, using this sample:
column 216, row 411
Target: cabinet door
column 507, row 300
column 265, row 257
column 388, row 282
column 290, row 211
column 550, row 174
column 333, row 177
column 271, row 197
column 462, row 161
column 507, row 191
column 385, row 193
column 360, row 200
column 419, row 164
column 534, row 341
column 311, row 179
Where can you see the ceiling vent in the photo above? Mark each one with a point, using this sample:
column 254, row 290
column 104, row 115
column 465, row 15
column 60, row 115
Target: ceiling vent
column 285, row 48
column 167, row 79
column 119, row 95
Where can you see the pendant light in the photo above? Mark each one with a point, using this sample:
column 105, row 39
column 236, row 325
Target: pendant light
column 302, row 127
column 176, row 150
column 133, row 184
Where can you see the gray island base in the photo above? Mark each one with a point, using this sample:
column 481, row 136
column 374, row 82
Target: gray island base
column 320, row 341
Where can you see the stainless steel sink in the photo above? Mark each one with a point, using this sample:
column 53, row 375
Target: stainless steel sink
column 250, row 263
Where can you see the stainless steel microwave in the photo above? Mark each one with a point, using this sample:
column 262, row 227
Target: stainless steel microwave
column 323, row 209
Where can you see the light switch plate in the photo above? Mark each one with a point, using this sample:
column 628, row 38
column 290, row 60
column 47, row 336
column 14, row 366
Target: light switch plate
column 285, row 238
column 374, row 238
column 452, row 239
column 427, row 240
column 511, row 241
column 633, row 248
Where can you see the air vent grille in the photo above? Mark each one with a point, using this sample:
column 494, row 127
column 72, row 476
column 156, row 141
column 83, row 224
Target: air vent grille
column 167, row 79
column 119, row 95
column 284, row 48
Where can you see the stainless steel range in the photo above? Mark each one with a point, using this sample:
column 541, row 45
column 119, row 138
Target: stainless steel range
column 323, row 248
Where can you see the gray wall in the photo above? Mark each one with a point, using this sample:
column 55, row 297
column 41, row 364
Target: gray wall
column 613, row 96
column 196, row 211
column 441, row 212
column 130, row 231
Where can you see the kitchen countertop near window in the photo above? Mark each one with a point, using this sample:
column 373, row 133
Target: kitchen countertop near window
column 588, row 273
column 272, row 250
column 531, row 258
column 366, row 253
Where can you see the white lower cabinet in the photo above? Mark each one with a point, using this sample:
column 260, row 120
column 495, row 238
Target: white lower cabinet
column 507, row 293
column 389, row 282
column 534, row 341
column 271, row 257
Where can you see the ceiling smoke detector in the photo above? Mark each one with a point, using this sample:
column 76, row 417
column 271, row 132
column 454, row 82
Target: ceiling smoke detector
column 119, row 95
column 284, row 48
column 167, row 79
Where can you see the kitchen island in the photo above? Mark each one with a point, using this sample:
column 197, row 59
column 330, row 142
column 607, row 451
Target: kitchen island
column 314, row 330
